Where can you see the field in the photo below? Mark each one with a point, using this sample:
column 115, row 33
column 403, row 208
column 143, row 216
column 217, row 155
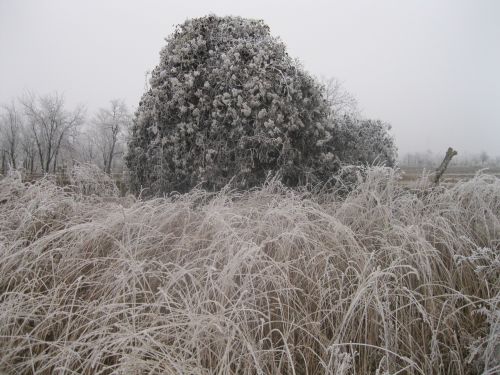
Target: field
column 452, row 174
column 373, row 279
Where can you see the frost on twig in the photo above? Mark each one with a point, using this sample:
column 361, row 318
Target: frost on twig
column 89, row 179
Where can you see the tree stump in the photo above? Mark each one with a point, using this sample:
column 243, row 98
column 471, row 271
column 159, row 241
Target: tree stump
column 450, row 153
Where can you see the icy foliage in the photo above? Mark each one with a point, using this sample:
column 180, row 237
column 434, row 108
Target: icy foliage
column 360, row 141
column 227, row 102
column 89, row 179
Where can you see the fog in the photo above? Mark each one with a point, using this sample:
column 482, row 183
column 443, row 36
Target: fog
column 430, row 68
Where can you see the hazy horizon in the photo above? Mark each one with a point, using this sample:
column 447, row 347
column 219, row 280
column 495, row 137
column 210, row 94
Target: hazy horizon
column 428, row 68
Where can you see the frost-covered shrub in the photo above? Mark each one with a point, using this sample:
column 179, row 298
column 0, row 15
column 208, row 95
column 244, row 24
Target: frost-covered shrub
column 89, row 179
column 363, row 141
column 227, row 102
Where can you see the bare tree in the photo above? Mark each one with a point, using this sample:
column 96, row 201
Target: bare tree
column 50, row 125
column 484, row 157
column 10, row 131
column 28, row 148
column 88, row 146
column 340, row 100
column 111, row 124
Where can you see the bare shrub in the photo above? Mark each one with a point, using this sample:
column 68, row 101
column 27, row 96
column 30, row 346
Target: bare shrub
column 89, row 179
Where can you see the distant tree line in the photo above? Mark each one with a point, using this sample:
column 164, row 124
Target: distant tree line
column 225, row 104
column 41, row 134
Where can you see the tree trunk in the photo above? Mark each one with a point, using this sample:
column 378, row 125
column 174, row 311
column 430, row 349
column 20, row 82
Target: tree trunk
column 54, row 164
column 42, row 160
column 57, row 148
column 3, row 163
column 450, row 153
column 110, row 159
column 49, row 158
column 13, row 159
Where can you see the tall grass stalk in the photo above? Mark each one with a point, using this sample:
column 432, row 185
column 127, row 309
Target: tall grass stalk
column 385, row 280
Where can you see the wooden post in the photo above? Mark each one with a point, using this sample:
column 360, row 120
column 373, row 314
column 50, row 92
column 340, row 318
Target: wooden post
column 450, row 153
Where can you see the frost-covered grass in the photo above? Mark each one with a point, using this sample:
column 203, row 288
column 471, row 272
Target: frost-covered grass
column 272, row 281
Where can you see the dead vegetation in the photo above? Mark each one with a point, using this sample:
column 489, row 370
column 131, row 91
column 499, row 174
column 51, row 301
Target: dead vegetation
column 271, row 281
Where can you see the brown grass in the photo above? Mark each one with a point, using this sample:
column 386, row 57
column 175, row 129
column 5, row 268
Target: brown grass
column 271, row 281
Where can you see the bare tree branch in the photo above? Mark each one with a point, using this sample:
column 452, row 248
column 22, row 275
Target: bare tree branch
column 110, row 125
column 10, row 131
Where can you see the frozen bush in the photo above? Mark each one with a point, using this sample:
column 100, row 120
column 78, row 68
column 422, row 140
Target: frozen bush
column 363, row 141
column 89, row 179
column 227, row 102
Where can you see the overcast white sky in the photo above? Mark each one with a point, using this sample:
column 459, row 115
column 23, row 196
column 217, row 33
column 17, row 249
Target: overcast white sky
column 429, row 67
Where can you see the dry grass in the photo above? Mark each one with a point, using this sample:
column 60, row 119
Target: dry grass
column 272, row 281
